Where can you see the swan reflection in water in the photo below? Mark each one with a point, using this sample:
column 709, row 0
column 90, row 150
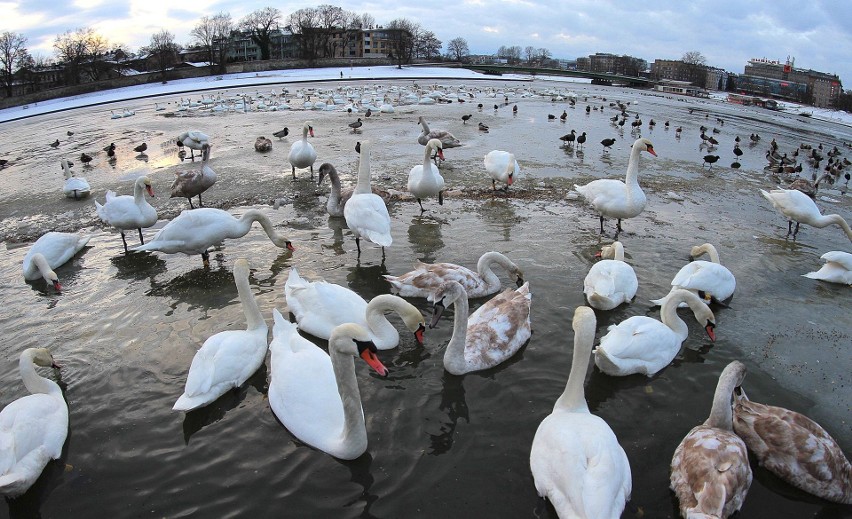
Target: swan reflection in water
column 425, row 237
column 454, row 405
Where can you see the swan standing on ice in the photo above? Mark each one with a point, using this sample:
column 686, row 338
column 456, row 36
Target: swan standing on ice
column 191, row 183
column 319, row 307
column 617, row 199
column 576, row 460
column 196, row 230
column 501, row 167
column 425, row 180
column 709, row 279
column 302, row 154
column 33, row 428
column 49, row 252
column 837, row 268
column 366, row 213
column 194, row 140
column 227, row 359
column 74, row 187
column 641, row 344
column 488, row 337
column 610, row 282
column 427, row 277
column 794, row 448
column 316, row 395
column 129, row 212
column 800, row 208
column 710, row 473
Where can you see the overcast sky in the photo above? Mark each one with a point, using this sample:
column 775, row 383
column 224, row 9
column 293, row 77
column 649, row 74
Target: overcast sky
column 817, row 33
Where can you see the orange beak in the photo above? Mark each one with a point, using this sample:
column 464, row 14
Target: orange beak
column 290, row 247
column 440, row 154
column 373, row 361
column 150, row 190
column 599, row 254
column 418, row 335
column 710, row 332
column 651, row 151
column 511, row 179
column 311, row 130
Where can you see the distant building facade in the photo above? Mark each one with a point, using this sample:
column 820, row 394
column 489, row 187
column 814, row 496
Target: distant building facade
column 679, row 70
column 605, row 63
column 783, row 80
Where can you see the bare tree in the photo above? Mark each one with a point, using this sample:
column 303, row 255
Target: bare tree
column 530, row 53
column 82, row 52
column 367, row 21
column 427, row 46
column 695, row 69
column 514, row 54
column 457, row 49
column 304, row 24
column 13, row 52
column 260, row 25
column 401, row 33
column 163, row 50
column 694, row 57
column 543, row 55
column 212, row 33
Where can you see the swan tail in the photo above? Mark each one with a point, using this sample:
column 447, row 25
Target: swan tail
column 99, row 209
column 396, row 284
column 188, row 403
column 378, row 238
column 294, row 280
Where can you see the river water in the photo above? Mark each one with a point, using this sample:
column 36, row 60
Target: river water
column 125, row 328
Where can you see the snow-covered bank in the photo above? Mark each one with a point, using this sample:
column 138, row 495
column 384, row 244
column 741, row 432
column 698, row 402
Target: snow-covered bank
column 824, row 114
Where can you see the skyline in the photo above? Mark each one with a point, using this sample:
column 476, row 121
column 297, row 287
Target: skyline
column 726, row 33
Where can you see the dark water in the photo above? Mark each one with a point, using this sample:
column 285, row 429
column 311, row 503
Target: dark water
column 126, row 328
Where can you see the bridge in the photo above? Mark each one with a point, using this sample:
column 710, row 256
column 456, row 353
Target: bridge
column 596, row 77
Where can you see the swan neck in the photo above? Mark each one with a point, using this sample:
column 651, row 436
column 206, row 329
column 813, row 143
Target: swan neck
column 425, row 126
column 354, row 429
column 574, row 396
column 363, row 186
column 619, row 251
column 35, row 383
column 427, row 162
column 252, row 215
column 43, row 266
column 710, row 250
column 837, row 220
column 454, row 360
column 669, row 317
column 632, row 177
column 484, row 266
column 378, row 323
column 254, row 319
column 139, row 193
column 721, row 414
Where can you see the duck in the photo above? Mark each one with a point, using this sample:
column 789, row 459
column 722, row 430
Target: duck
column 190, row 183
column 610, row 282
column 793, row 447
column 50, row 251
column 227, row 359
column 489, row 336
column 581, row 140
column 448, row 140
column 142, row 148
column 425, row 180
column 607, row 144
column 710, row 472
column 427, row 277
column 192, row 139
column 110, row 150
column 617, row 199
column 366, row 213
column 33, row 428
column 710, row 159
column 302, row 154
column 837, row 268
column 281, row 133
column 262, row 144
column 320, row 306
column 74, row 187
column 129, row 212
column 575, row 459
column 641, row 344
column 502, row 167
column 194, row 231
column 568, row 138
column 356, row 126
column 799, row 207
column 711, row 280
column 315, row 395
column 85, row 158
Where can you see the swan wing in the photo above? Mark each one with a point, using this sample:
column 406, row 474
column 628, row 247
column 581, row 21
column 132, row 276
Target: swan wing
column 610, row 283
column 706, row 276
column 427, row 277
column 320, row 306
column 56, row 247
column 192, row 231
column 498, row 329
column 367, row 216
column 636, row 345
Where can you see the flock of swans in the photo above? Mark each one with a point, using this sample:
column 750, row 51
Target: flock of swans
column 575, row 458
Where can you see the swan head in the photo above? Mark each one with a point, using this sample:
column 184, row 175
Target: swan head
column 414, row 321
column 446, row 294
column 41, row 357
column 352, row 339
column 438, row 146
column 308, row 128
column 698, row 250
column 325, row 170
column 645, row 145
column 609, row 251
column 241, row 268
column 145, row 183
column 736, row 372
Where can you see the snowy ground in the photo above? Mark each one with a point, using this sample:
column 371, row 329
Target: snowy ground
column 319, row 74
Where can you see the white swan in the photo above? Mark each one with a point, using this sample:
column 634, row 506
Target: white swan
column 427, row 277
column 366, row 213
column 710, row 474
column 502, row 167
column 617, row 199
column 316, row 395
column 576, row 460
column 227, row 359
column 800, row 208
column 196, row 230
column 837, row 268
column 641, row 344
column 194, row 140
column 74, row 187
column 709, row 279
column 194, row 182
column 302, row 154
column 488, row 337
column 425, row 180
column 129, row 212
column 319, row 307
column 33, row 428
column 610, row 282
column 447, row 139
column 49, row 252
column 794, row 448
